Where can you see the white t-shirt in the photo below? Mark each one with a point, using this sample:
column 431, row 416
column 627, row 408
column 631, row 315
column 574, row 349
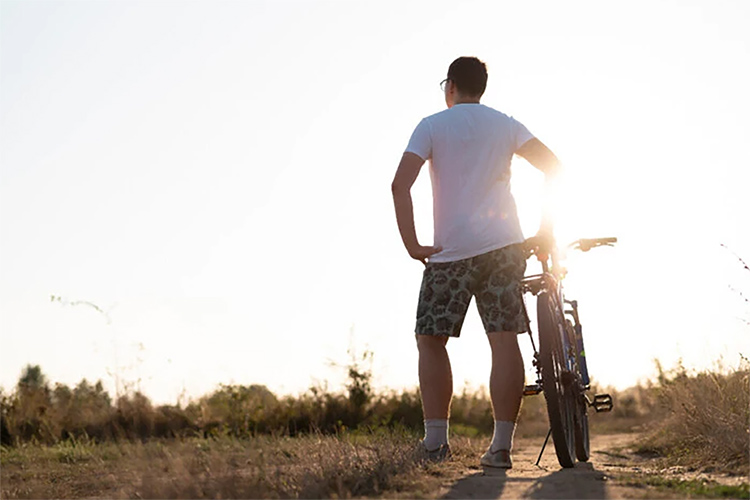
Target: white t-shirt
column 469, row 148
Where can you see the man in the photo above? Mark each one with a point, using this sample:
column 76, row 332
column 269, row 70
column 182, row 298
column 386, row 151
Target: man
column 477, row 251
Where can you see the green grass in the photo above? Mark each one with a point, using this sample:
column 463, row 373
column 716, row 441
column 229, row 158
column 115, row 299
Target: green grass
column 689, row 488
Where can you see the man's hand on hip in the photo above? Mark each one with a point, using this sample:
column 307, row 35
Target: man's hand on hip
column 421, row 253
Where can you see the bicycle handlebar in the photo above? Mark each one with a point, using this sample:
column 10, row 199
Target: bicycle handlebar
column 543, row 247
column 586, row 244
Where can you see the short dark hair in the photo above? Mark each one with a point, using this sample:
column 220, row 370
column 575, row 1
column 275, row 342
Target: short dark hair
column 469, row 75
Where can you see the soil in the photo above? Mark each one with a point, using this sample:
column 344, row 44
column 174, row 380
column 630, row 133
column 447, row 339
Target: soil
column 614, row 470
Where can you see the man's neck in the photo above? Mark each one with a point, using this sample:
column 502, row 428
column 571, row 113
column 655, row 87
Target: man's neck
column 465, row 100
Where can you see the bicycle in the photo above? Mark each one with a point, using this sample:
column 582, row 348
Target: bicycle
column 560, row 362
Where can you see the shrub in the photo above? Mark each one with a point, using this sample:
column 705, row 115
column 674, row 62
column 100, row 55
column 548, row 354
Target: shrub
column 706, row 417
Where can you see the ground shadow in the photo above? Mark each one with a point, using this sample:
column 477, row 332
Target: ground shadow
column 487, row 484
column 478, row 485
column 581, row 481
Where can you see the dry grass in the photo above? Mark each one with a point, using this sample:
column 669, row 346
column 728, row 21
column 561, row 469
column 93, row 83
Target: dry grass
column 263, row 467
column 227, row 444
column 634, row 408
column 706, row 419
column 698, row 420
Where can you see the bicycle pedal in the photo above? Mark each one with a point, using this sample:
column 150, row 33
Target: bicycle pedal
column 532, row 389
column 602, row 402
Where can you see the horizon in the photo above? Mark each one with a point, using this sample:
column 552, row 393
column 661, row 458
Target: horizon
column 719, row 366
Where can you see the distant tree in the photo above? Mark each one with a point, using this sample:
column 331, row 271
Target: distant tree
column 32, row 418
column 92, row 396
column 359, row 381
column 32, row 379
column 6, row 408
column 61, row 395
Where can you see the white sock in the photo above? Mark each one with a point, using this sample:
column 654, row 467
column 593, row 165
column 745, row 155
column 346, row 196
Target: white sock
column 502, row 439
column 435, row 433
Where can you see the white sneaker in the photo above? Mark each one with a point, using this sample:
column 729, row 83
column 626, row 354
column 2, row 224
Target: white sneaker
column 499, row 459
column 443, row 452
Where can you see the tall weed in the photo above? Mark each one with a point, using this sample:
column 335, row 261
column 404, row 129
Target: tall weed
column 706, row 418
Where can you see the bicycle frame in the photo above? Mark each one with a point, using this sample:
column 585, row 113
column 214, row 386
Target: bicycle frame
column 569, row 369
column 549, row 281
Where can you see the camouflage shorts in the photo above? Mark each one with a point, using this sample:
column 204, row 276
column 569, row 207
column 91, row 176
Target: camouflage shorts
column 493, row 278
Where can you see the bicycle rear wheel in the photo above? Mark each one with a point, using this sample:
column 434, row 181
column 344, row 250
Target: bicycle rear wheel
column 557, row 381
column 582, row 431
column 581, row 426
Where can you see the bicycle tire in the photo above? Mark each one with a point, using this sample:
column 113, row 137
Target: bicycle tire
column 558, row 389
column 581, row 425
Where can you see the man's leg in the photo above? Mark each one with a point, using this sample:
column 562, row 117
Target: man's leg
column 444, row 298
column 506, row 386
column 436, row 386
column 435, row 376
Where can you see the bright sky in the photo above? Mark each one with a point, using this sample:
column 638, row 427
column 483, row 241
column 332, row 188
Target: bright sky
column 215, row 176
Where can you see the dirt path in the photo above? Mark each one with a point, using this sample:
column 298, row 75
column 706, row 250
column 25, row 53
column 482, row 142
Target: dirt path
column 613, row 471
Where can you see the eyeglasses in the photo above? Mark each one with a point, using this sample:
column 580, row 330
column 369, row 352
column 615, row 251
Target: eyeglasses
column 444, row 82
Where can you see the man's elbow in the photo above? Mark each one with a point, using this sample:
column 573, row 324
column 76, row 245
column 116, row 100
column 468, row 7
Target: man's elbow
column 553, row 168
column 548, row 163
column 399, row 188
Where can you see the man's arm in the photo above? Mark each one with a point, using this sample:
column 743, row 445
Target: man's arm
column 540, row 156
column 407, row 173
